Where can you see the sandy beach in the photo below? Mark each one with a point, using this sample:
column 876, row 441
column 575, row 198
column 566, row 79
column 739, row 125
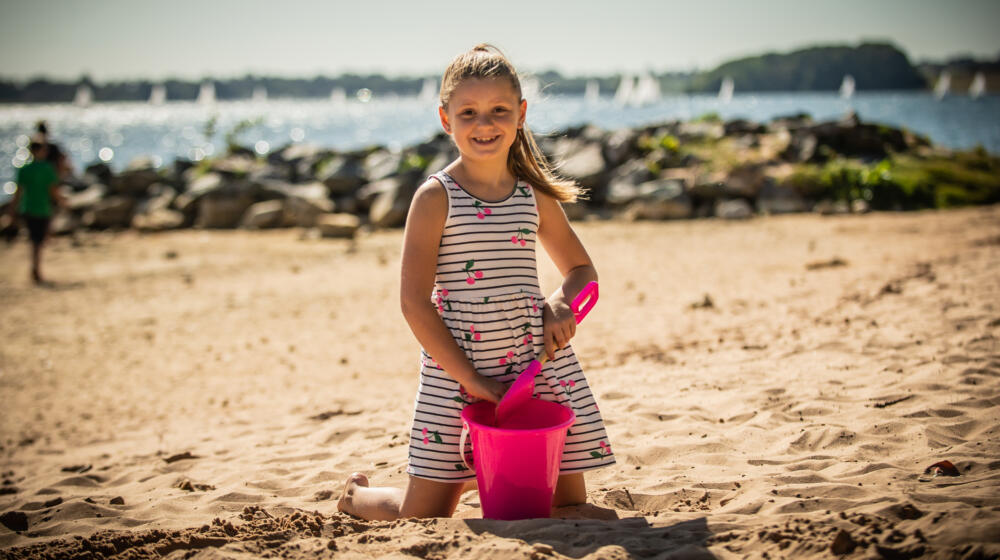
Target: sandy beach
column 774, row 387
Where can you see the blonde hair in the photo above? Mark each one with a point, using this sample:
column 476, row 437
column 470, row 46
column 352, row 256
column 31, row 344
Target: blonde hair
column 525, row 160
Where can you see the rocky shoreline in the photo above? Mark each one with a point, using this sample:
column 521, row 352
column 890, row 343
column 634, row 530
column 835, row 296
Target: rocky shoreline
column 673, row 170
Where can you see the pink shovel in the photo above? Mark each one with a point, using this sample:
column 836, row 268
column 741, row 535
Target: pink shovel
column 524, row 386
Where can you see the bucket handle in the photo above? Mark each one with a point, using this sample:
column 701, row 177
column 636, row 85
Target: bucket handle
column 461, row 447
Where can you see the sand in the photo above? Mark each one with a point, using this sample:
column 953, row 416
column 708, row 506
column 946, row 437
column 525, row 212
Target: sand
column 772, row 388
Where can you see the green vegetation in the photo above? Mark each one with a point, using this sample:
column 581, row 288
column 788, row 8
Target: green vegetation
column 904, row 182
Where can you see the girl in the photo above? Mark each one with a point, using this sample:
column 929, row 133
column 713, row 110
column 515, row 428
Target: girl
column 469, row 244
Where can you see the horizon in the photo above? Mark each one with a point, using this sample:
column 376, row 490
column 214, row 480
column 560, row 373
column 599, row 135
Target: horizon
column 116, row 41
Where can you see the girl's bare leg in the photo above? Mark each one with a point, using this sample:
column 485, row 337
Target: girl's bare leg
column 421, row 498
column 571, row 490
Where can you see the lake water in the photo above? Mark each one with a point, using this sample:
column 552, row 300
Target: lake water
column 118, row 132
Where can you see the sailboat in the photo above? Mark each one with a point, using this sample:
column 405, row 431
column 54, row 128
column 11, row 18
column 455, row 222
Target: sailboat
column 847, row 87
column 84, row 96
column 158, row 95
column 338, row 95
column 978, row 86
column 530, row 88
column 646, row 91
column 592, row 93
column 428, row 91
column 726, row 90
column 206, row 95
column 259, row 94
column 623, row 95
column 943, row 84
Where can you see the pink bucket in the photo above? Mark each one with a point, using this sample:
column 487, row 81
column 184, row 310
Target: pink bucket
column 517, row 466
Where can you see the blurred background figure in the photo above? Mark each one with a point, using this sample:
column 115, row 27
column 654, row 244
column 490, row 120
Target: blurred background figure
column 37, row 191
column 55, row 155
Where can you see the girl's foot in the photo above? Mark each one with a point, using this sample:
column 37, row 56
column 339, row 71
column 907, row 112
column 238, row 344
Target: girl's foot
column 346, row 503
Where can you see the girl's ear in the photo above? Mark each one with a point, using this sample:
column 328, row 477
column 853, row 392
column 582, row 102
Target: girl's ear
column 524, row 112
column 444, row 120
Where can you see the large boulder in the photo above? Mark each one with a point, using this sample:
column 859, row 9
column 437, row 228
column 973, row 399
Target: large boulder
column 582, row 160
column 625, row 180
column 735, row 209
column 112, row 212
column 136, row 179
column 661, row 199
column 775, row 198
column 381, row 164
column 620, row 147
column 392, row 202
column 302, row 211
column 342, row 175
column 267, row 214
column 86, row 198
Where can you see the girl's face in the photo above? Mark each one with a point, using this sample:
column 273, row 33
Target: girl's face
column 483, row 117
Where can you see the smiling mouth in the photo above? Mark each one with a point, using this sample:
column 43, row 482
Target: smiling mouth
column 486, row 140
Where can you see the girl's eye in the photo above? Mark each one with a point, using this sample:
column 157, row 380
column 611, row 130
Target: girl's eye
column 467, row 113
column 500, row 110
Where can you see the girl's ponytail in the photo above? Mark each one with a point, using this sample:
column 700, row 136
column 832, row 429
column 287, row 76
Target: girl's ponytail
column 527, row 162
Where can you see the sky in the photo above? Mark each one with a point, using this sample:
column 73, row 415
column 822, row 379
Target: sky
column 132, row 39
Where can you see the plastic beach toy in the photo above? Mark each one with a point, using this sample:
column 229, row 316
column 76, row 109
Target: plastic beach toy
column 524, row 386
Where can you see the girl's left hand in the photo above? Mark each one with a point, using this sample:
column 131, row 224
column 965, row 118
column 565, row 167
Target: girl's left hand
column 558, row 325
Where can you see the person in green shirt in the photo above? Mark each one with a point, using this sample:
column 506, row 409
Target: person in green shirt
column 37, row 189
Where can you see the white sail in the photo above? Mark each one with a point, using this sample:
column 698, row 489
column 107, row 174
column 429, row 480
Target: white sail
column 726, row 90
column 943, row 84
column 158, row 95
column 84, row 96
column 259, row 94
column 338, row 95
column 978, row 86
column 429, row 91
column 531, row 88
column 646, row 91
column 206, row 95
column 847, row 87
column 592, row 94
column 623, row 95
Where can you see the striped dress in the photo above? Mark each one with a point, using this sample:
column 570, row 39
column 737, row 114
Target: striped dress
column 486, row 290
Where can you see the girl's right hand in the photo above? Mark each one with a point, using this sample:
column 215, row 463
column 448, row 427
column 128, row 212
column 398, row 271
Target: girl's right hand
column 483, row 387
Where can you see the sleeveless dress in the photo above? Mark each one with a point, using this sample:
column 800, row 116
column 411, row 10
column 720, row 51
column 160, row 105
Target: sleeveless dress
column 486, row 291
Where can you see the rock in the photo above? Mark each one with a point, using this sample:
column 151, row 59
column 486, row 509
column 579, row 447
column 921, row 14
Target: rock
column 222, row 209
column 830, row 207
column 700, row 130
column 86, row 198
column 735, row 209
column 262, row 215
column 342, row 175
column 198, row 187
column 745, row 180
column 112, row 212
column 582, row 161
column 392, row 203
column 137, row 177
column 98, row 173
column 381, row 164
column 302, row 212
column 117, row 501
column 161, row 219
column 15, row 520
column 860, row 206
column 620, row 147
column 161, row 197
column 624, row 182
column 843, row 543
column 743, row 126
column 662, row 199
column 237, row 166
column 575, row 210
column 774, row 198
column 338, row 225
